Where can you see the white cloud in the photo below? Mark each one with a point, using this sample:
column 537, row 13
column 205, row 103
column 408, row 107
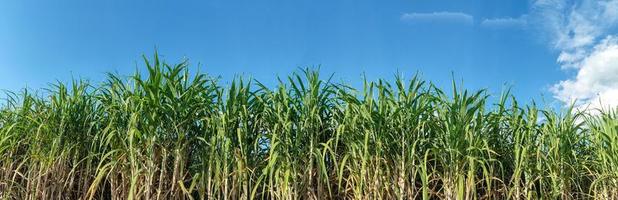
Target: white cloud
column 576, row 28
column 596, row 82
column 581, row 32
column 509, row 22
column 438, row 17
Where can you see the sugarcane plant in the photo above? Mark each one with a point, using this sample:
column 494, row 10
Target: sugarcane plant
column 172, row 133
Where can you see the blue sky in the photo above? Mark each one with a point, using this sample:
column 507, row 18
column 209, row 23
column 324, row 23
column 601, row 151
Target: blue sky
column 539, row 47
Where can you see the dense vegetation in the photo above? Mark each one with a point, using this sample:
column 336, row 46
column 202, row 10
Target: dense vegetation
column 170, row 134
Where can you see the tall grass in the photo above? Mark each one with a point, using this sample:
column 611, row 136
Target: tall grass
column 171, row 134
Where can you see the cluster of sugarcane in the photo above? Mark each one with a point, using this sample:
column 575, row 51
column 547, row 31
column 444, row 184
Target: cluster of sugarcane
column 171, row 134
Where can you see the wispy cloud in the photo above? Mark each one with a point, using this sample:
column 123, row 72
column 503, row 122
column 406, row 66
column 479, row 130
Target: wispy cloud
column 508, row 22
column 581, row 33
column 438, row 17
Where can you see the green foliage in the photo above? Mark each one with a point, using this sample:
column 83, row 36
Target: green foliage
column 177, row 135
